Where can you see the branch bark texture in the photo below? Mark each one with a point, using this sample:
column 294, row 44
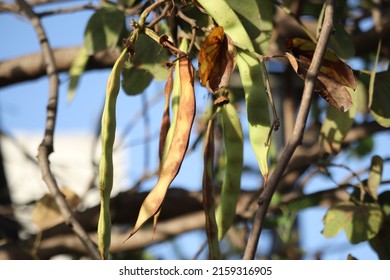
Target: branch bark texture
column 297, row 134
column 46, row 147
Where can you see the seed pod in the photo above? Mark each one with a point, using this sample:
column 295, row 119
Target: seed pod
column 209, row 193
column 177, row 149
column 106, row 167
column 231, row 186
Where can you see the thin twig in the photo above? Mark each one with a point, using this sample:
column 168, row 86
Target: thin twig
column 296, row 137
column 194, row 27
column 88, row 6
column 161, row 16
column 46, row 147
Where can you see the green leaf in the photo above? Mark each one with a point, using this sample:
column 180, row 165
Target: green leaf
column 375, row 177
column 135, row 80
column 249, row 15
column 306, row 201
column 266, row 9
column 250, row 73
column 378, row 93
column 104, row 29
column 223, row 14
column 336, row 125
column 360, row 222
column 130, row 3
column 335, row 221
column 76, row 70
column 372, row 76
column 384, row 202
column 149, row 56
column 381, row 242
column 363, row 147
column 362, row 91
column 380, row 105
column 341, row 42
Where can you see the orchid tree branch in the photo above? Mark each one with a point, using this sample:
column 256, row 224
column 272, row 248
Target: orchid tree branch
column 296, row 137
column 46, row 147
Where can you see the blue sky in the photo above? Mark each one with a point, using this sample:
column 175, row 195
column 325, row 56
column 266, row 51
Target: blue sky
column 22, row 108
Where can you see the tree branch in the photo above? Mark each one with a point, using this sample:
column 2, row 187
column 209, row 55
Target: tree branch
column 296, row 137
column 32, row 66
column 46, row 147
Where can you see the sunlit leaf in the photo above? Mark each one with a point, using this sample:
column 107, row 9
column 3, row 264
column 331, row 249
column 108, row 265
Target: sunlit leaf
column 250, row 74
column 360, row 222
column 375, row 177
column 381, row 242
column 257, row 108
column 76, row 70
column 380, row 106
column 334, row 74
column 379, row 96
column 266, row 9
column 224, row 16
column 217, row 59
column 104, row 29
column 336, row 126
column 373, row 75
column 361, row 90
column 248, row 12
column 150, row 57
column 384, row 202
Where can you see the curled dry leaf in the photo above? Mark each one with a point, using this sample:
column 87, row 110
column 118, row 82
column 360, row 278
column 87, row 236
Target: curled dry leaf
column 217, row 59
column 334, row 74
column 172, row 162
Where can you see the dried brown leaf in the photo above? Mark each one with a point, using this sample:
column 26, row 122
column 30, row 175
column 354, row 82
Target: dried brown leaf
column 333, row 77
column 217, row 59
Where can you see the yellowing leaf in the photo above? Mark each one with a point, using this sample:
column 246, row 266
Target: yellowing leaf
column 375, row 177
column 217, row 59
column 334, row 74
column 76, row 70
column 46, row 213
column 360, row 222
column 336, row 126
